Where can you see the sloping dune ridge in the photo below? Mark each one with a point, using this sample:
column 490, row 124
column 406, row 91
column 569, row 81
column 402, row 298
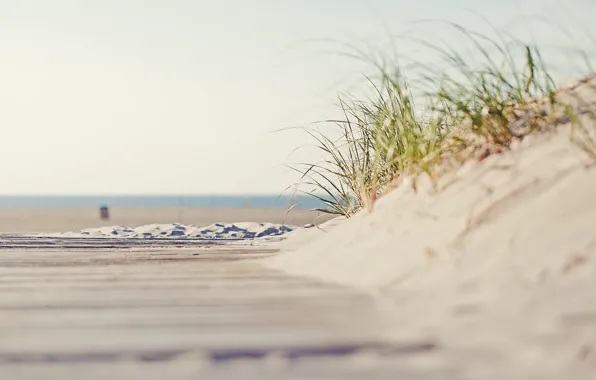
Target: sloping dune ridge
column 501, row 259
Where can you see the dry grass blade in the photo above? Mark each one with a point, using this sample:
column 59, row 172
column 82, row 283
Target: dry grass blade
column 474, row 109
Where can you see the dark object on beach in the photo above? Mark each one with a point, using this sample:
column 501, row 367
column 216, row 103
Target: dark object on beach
column 104, row 212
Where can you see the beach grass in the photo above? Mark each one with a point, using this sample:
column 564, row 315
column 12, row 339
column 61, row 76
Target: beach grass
column 472, row 108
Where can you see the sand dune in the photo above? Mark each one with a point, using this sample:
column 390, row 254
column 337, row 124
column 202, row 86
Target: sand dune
column 499, row 264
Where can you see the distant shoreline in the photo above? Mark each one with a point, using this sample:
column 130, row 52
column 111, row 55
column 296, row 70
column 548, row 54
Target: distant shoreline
column 284, row 201
column 49, row 219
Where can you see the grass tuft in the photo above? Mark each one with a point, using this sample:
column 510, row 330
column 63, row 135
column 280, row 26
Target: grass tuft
column 472, row 109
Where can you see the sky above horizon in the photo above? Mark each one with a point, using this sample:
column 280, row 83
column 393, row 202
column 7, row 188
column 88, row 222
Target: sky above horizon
column 185, row 97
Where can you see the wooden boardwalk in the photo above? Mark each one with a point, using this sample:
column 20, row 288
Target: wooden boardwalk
column 182, row 313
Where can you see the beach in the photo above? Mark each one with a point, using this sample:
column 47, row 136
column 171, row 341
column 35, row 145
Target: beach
column 65, row 219
column 310, row 190
column 484, row 274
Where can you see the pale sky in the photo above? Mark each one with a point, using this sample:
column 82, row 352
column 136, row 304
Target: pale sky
column 183, row 96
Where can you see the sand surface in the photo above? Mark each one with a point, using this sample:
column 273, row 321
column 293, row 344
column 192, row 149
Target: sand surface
column 500, row 261
column 53, row 219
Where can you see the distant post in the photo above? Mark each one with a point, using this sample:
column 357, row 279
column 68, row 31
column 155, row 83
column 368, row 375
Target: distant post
column 104, row 212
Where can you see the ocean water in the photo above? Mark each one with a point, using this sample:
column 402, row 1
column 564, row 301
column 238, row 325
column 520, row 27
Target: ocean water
column 303, row 201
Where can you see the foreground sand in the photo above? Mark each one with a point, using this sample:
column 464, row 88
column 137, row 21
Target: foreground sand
column 52, row 219
column 501, row 261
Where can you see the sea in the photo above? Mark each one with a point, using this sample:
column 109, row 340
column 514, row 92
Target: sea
column 303, row 201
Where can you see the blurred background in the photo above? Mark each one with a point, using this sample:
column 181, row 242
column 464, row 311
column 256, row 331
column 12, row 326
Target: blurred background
column 172, row 111
column 27, row 214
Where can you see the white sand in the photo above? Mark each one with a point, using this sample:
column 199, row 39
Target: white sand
column 499, row 265
column 535, row 203
column 217, row 231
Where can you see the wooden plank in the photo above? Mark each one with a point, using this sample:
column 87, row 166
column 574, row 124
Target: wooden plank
column 119, row 307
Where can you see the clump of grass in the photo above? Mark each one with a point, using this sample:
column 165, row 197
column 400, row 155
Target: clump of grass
column 476, row 109
column 343, row 173
column 379, row 141
column 504, row 98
